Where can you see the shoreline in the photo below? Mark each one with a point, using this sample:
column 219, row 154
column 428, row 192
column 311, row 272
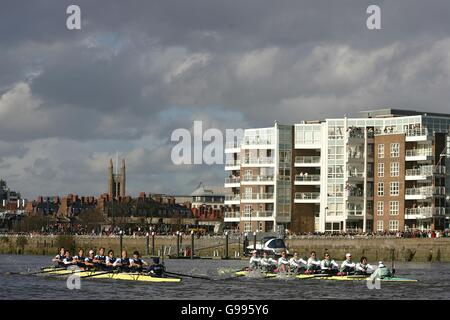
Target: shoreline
column 387, row 249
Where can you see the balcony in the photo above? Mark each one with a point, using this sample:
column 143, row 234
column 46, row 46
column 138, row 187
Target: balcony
column 424, row 193
column 249, row 143
column 307, row 161
column 307, row 197
column 232, row 147
column 260, row 161
column 418, row 134
column 232, row 182
column 424, row 212
column 232, row 199
column 257, row 180
column 307, row 179
column 233, row 216
column 257, row 215
column 257, row 198
column 232, row 164
column 424, row 172
column 419, row 154
column 355, row 157
column 355, row 175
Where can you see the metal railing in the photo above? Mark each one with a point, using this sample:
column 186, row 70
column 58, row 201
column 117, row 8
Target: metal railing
column 307, row 195
column 307, row 177
column 260, row 160
column 233, row 214
column 257, row 178
column 233, row 180
column 257, row 196
column 426, row 211
column 425, row 191
column 307, row 159
column 419, row 152
column 232, row 145
column 426, row 171
column 234, row 197
column 232, row 163
column 257, row 214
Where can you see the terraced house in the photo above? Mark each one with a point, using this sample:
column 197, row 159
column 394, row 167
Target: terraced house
column 384, row 172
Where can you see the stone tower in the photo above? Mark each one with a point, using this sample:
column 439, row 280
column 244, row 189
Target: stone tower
column 116, row 181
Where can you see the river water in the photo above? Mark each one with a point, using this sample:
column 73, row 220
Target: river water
column 434, row 283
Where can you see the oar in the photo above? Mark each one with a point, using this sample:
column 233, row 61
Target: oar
column 187, row 275
column 33, row 273
column 99, row 273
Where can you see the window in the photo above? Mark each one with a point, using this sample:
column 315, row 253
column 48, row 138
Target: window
column 380, row 170
column 393, row 225
column 380, row 208
column 380, row 189
column 394, row 188
column 380, row 225
column 394, row 208
column 395, row 169
column 261, row 226
column 395, row 150
column 380, row 151
column 247, row 227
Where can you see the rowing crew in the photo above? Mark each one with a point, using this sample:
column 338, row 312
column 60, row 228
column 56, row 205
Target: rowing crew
column 314, row 265
column 108, row 262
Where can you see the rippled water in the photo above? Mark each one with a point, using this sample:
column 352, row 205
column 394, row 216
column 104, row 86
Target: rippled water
column 434, row 283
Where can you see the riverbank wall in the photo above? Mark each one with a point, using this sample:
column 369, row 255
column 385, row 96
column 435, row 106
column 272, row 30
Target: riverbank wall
column 375, row 249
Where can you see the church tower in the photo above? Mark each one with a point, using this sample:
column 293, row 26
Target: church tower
column 116, row 181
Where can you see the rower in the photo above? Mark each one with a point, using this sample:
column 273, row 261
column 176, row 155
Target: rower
column 254, row 261
column 110, row 260
column 267, row 264
column 328, row 266
column 89, row 260
column 313, row 264
column 156, row 269
column 297, row 263
column 363, row 268
column 79, row 259
column 381, row 272
column 136, row 263
column 123, row 262
column 283, row 263
column 100, row 259
column 68, row 260
column 58, row 259
column 348, row 266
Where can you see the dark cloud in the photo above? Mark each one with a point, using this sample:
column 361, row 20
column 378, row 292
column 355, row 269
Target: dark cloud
column 138, row 70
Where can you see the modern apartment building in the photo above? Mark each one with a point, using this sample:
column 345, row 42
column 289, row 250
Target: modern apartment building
column 383, row 171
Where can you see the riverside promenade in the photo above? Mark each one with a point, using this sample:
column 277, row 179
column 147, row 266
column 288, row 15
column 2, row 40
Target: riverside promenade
column 375, row 248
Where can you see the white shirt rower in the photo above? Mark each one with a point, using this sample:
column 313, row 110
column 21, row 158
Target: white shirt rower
column 348, row 264
column 328, row 264
column 297, row 262
column 364, row 267
column 313, row 262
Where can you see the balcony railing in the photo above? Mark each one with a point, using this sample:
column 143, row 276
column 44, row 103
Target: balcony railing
column 307, row 195
column 307, row 159
column 419, row 153
column 426, row 171
column 257, row 214
column 257, row 178
column 232, row 180
column 307, row 177
column 232, row 145
column 425, row 191
column 355, row 174
column 416, row 132
column 257, row 141
column 232, row 163
column 233, row 214
column 234, row 197
column 260, row 160
column 426, row 211
column 257, row 196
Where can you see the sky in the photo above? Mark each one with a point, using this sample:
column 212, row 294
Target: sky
column 138, row 70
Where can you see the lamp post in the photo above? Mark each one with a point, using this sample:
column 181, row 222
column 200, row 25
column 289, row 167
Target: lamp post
column 178, row 244
column 147, row 243
column 153, row 243
column 226, row 245
column 192, row 244
column 121, row 240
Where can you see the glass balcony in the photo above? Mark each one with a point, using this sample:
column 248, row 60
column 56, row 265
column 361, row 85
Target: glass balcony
column 232, row 214
column 426, row 212
column 257, row 214
column 419, row 153
column 257, row 196
column 260, row 160
column 233, row 197
column 307, row 177
column 257, row 178
column 307, row 159
column 307, row 195
column 232, row 180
